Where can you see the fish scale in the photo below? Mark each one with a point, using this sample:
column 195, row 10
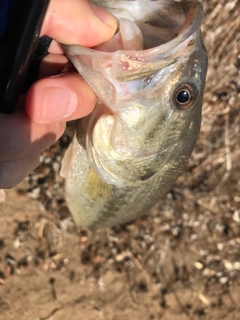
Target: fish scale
column 127, row 154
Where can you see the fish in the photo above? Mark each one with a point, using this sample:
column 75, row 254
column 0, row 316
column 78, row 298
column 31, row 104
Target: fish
column 149, row 80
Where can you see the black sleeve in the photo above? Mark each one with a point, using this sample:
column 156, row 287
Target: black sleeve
column 40, row 53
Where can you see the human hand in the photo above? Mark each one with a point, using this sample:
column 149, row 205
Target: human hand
column 55, row 98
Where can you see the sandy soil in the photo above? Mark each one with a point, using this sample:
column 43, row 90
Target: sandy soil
column 181, row 261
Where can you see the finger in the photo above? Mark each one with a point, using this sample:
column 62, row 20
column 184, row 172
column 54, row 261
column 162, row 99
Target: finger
column 78, row 22
column 20, row 137
column 13, row 172
column 60, row 98
column 55, row 47
column 52, row 65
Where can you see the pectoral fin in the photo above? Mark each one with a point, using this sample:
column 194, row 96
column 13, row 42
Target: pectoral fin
column 96, row 188
column 66, row 161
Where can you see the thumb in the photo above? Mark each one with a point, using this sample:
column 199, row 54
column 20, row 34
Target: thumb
column 78, row 22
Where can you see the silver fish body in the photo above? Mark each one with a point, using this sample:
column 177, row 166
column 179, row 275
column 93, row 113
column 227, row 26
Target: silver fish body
column 149, row 80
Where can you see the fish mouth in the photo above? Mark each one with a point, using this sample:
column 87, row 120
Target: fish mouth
column 164, row 24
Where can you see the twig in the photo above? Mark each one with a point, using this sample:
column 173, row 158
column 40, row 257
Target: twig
column 173, row 292
column 140, row 268
column 50, row 316
column 204, row 299
column 227, row 152
column 41, row 227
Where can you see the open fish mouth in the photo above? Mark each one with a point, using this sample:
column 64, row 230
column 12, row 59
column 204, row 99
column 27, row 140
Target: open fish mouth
column 159, row 21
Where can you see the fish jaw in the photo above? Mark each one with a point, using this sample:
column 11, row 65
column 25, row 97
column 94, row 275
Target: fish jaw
column 138, row 135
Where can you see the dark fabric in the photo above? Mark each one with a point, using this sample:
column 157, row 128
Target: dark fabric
column 42, row 48
column 4, row 5
column 40, row 52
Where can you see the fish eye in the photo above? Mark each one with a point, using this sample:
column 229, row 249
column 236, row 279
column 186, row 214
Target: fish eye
column 184, row 96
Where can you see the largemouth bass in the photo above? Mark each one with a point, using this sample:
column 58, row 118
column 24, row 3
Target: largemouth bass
column 149, row 80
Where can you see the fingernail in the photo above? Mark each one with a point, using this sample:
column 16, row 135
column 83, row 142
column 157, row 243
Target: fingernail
column 58, row 103
column 105, row 16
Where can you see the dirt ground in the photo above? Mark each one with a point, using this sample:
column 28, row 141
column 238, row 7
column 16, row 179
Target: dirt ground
column 181, row 261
